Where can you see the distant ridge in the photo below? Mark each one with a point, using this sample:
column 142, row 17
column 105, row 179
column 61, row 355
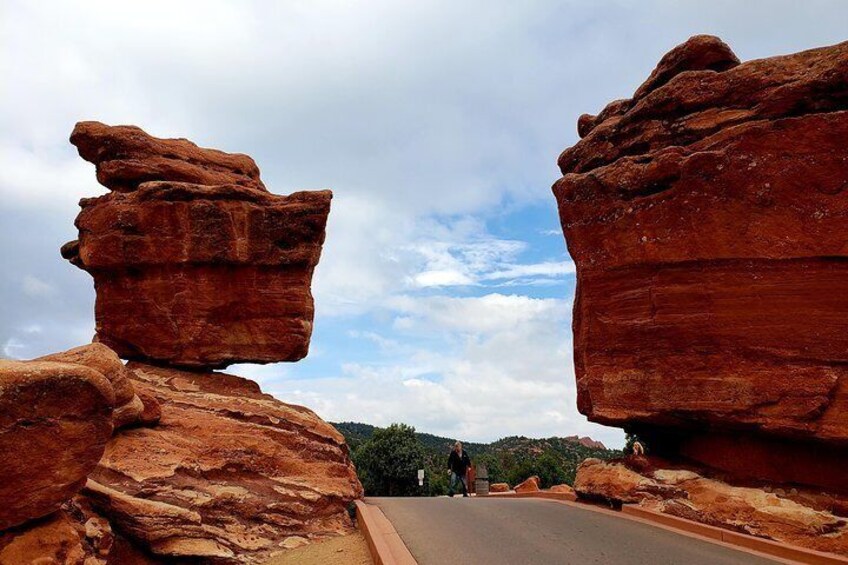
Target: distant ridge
column 587, row 442
column 355, row 433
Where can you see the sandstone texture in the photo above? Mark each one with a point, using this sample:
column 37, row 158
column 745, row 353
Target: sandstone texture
column 55, row 420
column 56, row 539
column 228, row 475
column 783, row 515
column 194, row 263
column 564, row 489
column 529, row 485
column 707, row 218
column 126, row 157
column 129, row 408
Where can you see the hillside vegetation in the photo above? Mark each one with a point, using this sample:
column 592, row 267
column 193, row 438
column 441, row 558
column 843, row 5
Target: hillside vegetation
column 387, row 459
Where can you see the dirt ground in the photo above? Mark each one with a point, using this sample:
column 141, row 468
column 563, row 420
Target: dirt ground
column 351, row 549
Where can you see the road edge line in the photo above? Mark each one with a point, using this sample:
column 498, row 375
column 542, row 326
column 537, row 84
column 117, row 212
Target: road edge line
column 384, row 543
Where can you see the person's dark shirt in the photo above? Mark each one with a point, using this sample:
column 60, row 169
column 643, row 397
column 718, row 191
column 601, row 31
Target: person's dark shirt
column 459, row 463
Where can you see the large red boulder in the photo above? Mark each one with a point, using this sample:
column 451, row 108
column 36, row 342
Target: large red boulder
column 129, row 408
column 707, row 219
column 202, row 273
column 529, row 485
column 228, row 475
column 55, row 419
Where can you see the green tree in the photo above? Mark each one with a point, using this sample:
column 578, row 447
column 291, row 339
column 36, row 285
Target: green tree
column 388, row 462
column 493, row 467
column 549, row 467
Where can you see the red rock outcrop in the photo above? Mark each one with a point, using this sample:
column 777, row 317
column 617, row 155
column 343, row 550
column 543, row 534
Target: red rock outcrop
column 56, row 539
column 55, row 419
column 129, row 408
column 126, row 157
column 707, row 218
column 563, row 489
column 228, row 475
column 586, row 441
column 778, row 514
column 195, row 264
column 529, row 485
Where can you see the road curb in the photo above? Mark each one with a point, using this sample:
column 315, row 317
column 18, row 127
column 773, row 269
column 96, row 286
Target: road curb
column 384, row 543
column 743, row 542
column 567, row 496
column 737, row 539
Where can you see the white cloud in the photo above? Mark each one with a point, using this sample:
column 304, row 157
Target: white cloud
column 36, row 288
column 427, row 119
column 547, row 269
column 474, row 368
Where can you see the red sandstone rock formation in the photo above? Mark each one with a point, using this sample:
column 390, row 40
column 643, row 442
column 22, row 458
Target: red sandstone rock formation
column 796, row 518
column 129, row 408
column 228, row 475
column 529, row 485
column 586, row 441
column 126, row 157
column 564, row 489
column 195, row 264
column 55, row 419
column 707, row 218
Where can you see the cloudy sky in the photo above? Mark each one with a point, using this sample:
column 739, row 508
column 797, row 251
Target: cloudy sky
column 444, row 292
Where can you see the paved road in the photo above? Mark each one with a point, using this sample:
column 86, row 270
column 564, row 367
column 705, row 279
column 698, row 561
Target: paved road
column 539, row 532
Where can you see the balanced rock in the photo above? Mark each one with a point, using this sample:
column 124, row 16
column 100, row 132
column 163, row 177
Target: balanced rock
column 129, row 408
column 55, row 419
column 228, row 474
column 529, row 485
column 707, row 219
column 197, row 274
column 778, row 514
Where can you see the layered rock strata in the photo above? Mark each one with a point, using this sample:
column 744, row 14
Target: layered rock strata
column 799, row 517
column 707, row 218
column 195, row 264
column 224, row 474
column 228, row 475
column 126, row 157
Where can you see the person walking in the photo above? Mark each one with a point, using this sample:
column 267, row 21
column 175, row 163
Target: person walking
column 458, row 464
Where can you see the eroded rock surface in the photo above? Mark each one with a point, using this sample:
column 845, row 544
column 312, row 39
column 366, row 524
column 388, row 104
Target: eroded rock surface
column 55, row 419
column 707, row 218
column 195, row 270
column 126, row 157
column 784, row 515
column 129, row 408
column 228, row 475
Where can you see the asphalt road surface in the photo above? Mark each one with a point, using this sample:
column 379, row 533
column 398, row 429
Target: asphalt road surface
column 522, row 531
